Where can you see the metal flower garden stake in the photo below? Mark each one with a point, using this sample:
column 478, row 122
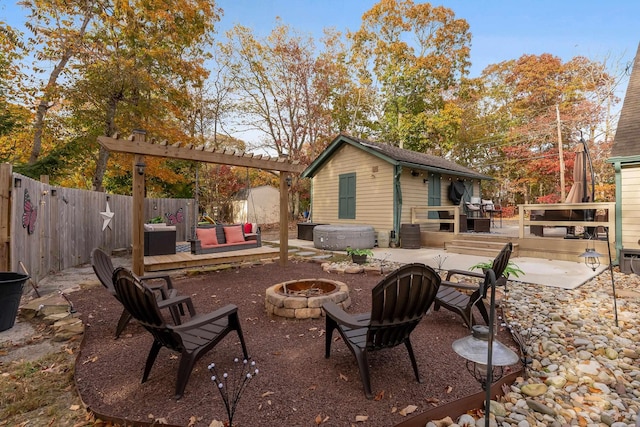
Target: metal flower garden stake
column 231, row 386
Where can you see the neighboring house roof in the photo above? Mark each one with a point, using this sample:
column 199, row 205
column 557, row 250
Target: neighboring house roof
column 627, row 140
column 395, row 156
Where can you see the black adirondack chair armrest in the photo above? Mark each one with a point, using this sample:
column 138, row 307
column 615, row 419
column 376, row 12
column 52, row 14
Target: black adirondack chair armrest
column 341, row 317
column 204, row 319
column 159, row 276
column 460, row 285
column 476, row 274
column 176, row 301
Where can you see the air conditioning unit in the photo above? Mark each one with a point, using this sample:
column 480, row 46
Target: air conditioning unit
column 630, row 261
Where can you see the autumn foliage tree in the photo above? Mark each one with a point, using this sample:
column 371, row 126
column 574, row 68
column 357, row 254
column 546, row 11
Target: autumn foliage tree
column 520, row 105
column 59, row 29
column 13, row 117
column 415, row 55
column 284, row 90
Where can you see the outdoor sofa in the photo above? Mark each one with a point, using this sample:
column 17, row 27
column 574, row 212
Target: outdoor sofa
column 214, row 238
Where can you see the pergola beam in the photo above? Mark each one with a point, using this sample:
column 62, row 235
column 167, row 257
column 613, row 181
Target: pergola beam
column 140, row 146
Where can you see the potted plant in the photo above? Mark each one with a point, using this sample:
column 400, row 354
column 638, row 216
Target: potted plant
column 511, row 269
column 155, row 220
column 359, row 256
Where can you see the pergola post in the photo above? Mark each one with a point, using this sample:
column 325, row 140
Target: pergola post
column 138, row 172
column 284, row 218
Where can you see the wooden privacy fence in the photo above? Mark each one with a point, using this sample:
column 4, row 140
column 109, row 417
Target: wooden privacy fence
column 51, row 228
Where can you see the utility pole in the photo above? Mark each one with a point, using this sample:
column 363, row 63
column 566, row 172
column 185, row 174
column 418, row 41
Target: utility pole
column 561, row 154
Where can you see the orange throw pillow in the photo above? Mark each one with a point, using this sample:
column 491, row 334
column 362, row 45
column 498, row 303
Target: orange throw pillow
column 234, row 234
column 207, row 237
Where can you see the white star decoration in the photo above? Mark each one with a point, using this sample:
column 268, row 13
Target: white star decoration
column 107, row 216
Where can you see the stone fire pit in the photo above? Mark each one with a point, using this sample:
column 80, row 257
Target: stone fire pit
column 303, row 299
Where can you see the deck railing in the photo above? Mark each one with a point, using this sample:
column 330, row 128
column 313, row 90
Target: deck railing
column 601, row 215
column 598, row 215
column 420, row 215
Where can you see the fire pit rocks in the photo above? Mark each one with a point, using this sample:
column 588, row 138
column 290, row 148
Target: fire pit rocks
column 303, row 299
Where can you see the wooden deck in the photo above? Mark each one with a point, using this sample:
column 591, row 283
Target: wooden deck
column 189, row 260
column 552, row 246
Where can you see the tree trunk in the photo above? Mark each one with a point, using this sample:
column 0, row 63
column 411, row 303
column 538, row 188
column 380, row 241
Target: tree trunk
column 103, row 154
column 45, row 101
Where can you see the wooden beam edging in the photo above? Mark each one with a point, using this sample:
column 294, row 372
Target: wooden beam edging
column 191, row 153
column 452, row 409
column 461, row 406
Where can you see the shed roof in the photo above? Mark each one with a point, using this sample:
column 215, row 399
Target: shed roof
column 626, row 143
column 395, row 156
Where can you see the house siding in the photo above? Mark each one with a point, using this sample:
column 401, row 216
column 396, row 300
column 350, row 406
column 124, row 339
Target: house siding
column 374, row 189
column 630, row 206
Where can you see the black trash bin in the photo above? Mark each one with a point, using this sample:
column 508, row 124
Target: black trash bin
column 10, row 294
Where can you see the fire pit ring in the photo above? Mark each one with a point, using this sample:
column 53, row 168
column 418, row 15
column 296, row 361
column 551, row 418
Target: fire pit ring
column 303, row 299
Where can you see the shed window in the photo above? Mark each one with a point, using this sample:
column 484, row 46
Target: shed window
column 347, row 196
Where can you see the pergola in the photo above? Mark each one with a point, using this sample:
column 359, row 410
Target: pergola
column 138, row 145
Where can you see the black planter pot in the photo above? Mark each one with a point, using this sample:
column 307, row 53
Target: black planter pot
column 359, row 259
column 10, row 294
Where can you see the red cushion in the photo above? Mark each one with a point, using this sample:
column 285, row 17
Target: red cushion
column 233, row 234
column 207, row 237
column 247, row 228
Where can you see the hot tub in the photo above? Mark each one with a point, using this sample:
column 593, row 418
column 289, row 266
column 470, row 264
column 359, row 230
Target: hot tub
column 339, row 237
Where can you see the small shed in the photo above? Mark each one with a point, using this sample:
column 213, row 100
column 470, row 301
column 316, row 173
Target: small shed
column 625, row 157
column 355, row 181
column 259, row 204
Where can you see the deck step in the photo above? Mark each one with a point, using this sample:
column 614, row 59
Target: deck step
column 477, row 247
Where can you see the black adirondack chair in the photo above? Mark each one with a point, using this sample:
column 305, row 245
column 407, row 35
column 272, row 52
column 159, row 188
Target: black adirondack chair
column 461, row 297
column 399, row 301
column 103, row 267
column 192, row 339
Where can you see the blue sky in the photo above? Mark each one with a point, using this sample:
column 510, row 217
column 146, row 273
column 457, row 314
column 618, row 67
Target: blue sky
column 501, row 29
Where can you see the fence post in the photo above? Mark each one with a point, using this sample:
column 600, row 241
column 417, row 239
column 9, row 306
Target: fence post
column 6, row 187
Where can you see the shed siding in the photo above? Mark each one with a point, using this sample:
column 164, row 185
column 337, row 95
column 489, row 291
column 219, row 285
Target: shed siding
column 374, row 190
column 414, row 193
column 630, row 197
column 261, row 206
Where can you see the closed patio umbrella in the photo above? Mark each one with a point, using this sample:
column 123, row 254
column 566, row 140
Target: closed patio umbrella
column 577, row 193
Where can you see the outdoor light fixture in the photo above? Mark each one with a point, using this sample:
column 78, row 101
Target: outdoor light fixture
column 483, row 354
column 592, row 260
column 475, row 349
column 140, row 167
column 17, row 182
column 288, row 180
